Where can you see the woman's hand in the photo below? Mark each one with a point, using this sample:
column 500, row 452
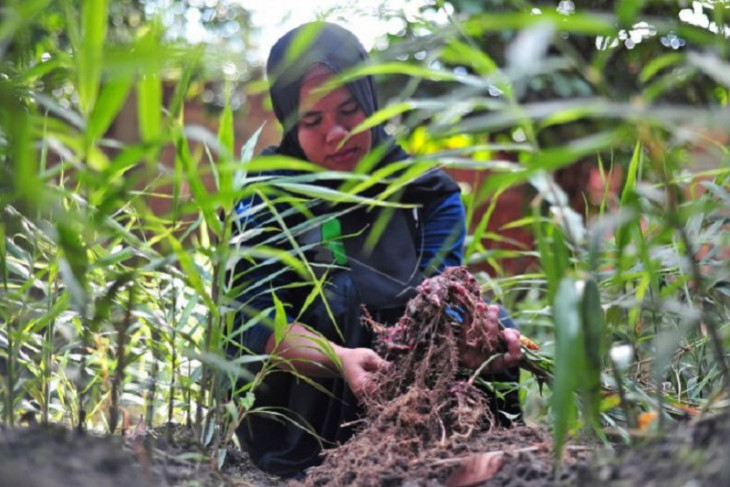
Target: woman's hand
column 301, row 351
column 504, row 350
column 359, row 366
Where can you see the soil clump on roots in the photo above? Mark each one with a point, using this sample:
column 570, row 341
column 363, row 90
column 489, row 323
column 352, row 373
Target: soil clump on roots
column 424, row 407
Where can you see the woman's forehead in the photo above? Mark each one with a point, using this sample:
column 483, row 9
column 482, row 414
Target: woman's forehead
column 318, row 72
column 313, row 97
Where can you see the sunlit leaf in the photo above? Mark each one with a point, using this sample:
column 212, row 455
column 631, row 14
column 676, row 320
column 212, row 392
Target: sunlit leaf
column 149, row 106
column 240, row 173
column 90, row 54
column 107, row 106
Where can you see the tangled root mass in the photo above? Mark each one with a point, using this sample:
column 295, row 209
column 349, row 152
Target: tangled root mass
column 423, row 407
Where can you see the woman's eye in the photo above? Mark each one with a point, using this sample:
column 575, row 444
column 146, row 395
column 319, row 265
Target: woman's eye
column 310, row 121
column 350, row 109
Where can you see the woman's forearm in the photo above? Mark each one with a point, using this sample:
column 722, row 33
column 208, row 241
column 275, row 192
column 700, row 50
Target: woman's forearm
column 311, row 355
column 306, row 353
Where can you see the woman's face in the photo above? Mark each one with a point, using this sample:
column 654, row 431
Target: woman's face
column 325, row 121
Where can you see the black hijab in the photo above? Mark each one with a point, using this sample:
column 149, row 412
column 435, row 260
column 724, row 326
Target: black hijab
column 339, row 50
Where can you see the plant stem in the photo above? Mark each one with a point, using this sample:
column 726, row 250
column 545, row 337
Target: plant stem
column 10, row 365
column 117, row 384
column 9, row 362
column 48, row 353
column 82, row 372
column 150, row 412
column 173, row 359
column 657, row 152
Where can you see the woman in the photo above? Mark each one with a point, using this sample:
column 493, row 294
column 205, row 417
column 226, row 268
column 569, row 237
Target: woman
column 317, row 126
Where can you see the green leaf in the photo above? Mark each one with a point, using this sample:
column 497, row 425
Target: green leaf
column 659, row 63
column 197, row 187
column 191, row 63
column 15, row 123
column 590, row 24
column 192, row 274
column 628, row 196
column 457, row 52
column 382, row 115
column 107, row 107
column 226, row 139
column 594, row 331
column 627, row 10
column 569, row 361
column 302, row 41
column 74, row 265
column 90, row 56
column 149, row 107
column 281, row 322
column 219, row 363
column 239, row 175
column 226, row 135
column 408, row 69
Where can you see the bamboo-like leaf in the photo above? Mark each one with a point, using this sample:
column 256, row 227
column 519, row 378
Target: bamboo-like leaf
column 569, row 360
column 628, row 195
column 408, row 69
column 594, row 332
column 381, row 116
column 197, row 188
column 226, row 138
column 192, row 274
column 580, row 23
column 90, row 56
column 658, row 64
column 240, row 173
column 461, row 53
column 281, row 321
column 149, row 106
column 110, row 101
column 220, row 363
column 3, row 256
column 16, row 125
column 191, row 63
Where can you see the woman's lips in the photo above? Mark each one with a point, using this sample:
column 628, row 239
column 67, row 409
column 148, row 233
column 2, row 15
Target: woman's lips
column 345, row 156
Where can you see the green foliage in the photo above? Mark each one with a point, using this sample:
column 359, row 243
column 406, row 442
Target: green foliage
column 579, row 337
column 627, row 88
column 110, row 305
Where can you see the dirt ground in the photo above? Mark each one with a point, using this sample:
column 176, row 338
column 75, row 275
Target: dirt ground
column 692, row 454
column 426, row 425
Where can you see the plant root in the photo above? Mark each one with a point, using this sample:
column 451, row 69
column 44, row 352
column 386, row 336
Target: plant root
column 422, row 407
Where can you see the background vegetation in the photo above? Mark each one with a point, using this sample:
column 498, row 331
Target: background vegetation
column 112, row 310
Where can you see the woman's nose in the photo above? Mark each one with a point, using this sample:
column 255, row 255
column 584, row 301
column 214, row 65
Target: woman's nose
column 336, row 133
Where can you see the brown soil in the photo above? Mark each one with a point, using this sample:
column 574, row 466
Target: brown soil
column 426, row 425
column 53, row 457
column 691, row 454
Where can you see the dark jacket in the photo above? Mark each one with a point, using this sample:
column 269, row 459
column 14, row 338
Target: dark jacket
column 413, row 244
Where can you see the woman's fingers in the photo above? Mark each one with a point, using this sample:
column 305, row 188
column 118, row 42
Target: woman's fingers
column 514, row 348
column 491, row 324
column 360, row 365
column 372, row 362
